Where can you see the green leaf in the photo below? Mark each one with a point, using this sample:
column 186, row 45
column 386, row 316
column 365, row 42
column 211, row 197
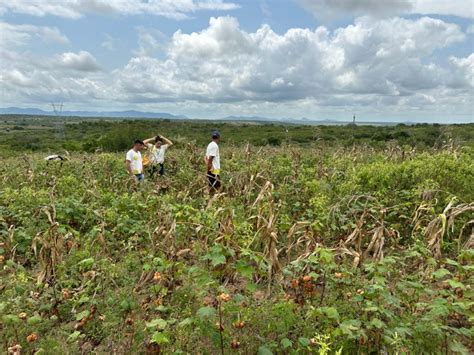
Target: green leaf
column 157, row 323
column 377, row 323
column 286, row 343
column 74, row 336
column 125, row 305
column 457, row 347
column 348, row 327
column 217, row 259
column 82, row 315
column 326, row 256
column 330, row 312
column 159, row 338
column 86, row 263
column 244, row 269
column 10, row 319
column 251, row 287
column 456, row 284
column 206, row 313
column 263, row 350
column 304, row 342
column 438, row 274
column 451, row 262
column 34, row 320
column 83, row 299
column 185, row 322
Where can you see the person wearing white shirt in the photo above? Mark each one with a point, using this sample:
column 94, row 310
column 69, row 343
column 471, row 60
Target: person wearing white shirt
column 133, row 161
column 213, row 163
column 157, row 153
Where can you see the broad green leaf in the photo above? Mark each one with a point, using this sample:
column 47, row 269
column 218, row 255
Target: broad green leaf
column 217, row 259
column 74, row 336
column 457, row 347
column 263, row 350
column 86, row 263
column 330, row 312
column 10, row 319
column 157, row 323
column 244, row 269
column 304, row 342
column 286, row 343
column 348, row 327
column 34, row 320
column 159, row 338
column 440, row 273
column 83, row 299
column 451, row 262
column 82, row 314
column 185, row 322
column 206, row 313
column 251, row 287
column 456, row 284
column 125, row 305
column 377, row 323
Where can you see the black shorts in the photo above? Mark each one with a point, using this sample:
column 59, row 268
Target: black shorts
column 214, row 180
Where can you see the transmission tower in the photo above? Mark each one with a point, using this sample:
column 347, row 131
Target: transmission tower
column 59, row 122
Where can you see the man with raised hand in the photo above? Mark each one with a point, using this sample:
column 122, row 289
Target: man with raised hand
column 157, row 153
column 133, row 161
column 213, row 163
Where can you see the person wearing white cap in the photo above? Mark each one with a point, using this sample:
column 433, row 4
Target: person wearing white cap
column 213, row 163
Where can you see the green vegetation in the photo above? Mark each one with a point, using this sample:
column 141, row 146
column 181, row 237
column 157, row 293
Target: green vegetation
column 23, row 133
column 332, row 245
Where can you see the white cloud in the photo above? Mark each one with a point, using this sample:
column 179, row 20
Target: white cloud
column 462, row 71
column 461, row 8
column 330, row 9
column 224, row 63
column 109, row 42
column 20, row 35
column 324, row 9
column 375, row 66
column 82, row 61
column 176, row 9
column 470, row 29
column 150, row 40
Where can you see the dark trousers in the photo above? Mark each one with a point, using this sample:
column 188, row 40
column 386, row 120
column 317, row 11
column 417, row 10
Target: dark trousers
column 160, row 168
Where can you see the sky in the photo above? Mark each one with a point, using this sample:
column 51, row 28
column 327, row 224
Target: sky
column 392, row 60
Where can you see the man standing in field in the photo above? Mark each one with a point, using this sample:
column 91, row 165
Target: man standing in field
column 157, row 153
column 213, row 163
column 133, row 161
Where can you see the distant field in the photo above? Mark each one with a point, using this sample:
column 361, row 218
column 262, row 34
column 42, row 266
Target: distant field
column 46, row 133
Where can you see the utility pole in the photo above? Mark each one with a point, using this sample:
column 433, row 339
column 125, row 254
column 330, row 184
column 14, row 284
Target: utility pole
column 58, row 123
column 353, row 125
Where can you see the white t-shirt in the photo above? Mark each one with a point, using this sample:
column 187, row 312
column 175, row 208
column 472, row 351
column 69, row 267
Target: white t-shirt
column 157, row 155
column 213, row 151
column 135, row 159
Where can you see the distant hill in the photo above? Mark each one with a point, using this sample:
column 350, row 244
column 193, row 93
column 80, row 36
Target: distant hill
column 287, row 120
column 119, row 114
column 139, row 114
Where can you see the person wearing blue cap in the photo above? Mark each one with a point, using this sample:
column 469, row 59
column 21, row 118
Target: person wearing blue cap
column 213, row 163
